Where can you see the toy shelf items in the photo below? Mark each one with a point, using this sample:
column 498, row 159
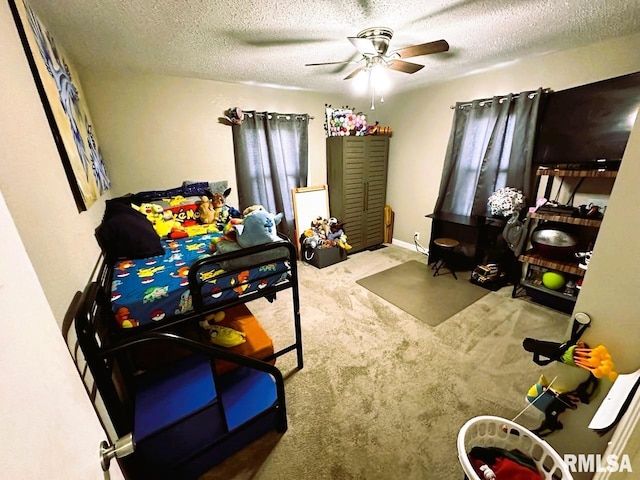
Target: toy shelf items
column 555, row 279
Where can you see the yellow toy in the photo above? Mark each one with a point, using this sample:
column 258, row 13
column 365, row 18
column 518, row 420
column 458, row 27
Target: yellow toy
column 162, row 221
column 219, row 335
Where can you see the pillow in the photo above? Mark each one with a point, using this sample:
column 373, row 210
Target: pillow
column 214, row 187
column 247, row 261
column 126, row 233
column 187, row 189
column 186, row 214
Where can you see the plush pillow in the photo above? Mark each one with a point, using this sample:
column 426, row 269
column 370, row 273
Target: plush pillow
column 187, row 189
column 126, row 233
column 247, row 261
column 214, row 187
column 187, row 214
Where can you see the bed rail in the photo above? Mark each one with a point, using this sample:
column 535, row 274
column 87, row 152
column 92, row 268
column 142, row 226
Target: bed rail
column 282, row 250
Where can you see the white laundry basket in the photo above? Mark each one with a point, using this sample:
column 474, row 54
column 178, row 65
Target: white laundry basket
column 488, row 431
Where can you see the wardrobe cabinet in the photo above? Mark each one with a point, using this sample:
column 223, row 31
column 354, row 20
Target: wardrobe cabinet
column 357, row 178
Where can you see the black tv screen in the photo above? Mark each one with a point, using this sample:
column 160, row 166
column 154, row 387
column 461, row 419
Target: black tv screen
column 588, row 126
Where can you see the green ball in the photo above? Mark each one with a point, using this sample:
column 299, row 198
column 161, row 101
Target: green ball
column 553, row 280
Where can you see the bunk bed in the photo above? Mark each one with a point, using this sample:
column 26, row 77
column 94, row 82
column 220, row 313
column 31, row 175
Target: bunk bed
column 132, row 306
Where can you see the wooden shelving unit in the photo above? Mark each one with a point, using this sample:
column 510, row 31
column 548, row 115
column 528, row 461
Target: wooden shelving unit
column 585, row 222
column 544, row 295
column 577, row 173
column 546, row 291
column 537, row 259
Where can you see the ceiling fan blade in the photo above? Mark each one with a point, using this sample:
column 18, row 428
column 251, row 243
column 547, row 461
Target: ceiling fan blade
column 402, row 66
column 364, row 45
column 423, row 49
column 327, row 63
column 354, row 73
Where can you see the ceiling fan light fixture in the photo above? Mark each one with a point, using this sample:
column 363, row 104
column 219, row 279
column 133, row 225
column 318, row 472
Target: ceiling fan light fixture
column 373, row 44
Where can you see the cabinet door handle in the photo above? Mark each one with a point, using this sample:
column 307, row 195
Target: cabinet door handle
column 366, row 196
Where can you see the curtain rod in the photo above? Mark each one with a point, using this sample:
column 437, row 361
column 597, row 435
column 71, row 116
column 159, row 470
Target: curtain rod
column 490, row 100
column 281, row 115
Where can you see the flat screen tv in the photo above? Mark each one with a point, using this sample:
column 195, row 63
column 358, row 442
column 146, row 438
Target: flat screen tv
column 588, row 126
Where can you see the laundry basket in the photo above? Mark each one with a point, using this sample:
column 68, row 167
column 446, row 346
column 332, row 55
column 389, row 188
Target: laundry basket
column 488, row 431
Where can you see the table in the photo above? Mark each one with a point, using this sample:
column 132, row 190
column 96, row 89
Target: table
column 480, row 237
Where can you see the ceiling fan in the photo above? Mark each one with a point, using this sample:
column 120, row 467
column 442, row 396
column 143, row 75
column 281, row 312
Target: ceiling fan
column 373, row 44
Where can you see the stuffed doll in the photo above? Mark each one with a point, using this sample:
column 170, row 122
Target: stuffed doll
column 251, row 208
column 220, row 335
column 206, row 210
column 257, row 228
column 162, row 220
column 337, row 234
column 222, row 212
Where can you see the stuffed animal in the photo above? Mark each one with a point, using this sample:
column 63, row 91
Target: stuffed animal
column 206, row 210
column 162, row 220
column 229, row 233
column 219, row 335
column 251, row 208
column 337, row 234
column 257, row 228
column 222, row 212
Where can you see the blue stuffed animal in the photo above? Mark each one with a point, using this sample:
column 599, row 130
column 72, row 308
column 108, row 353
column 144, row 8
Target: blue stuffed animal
column 257, row 228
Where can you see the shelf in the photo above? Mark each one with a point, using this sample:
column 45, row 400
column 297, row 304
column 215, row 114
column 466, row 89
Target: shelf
column 577, row 173
column 585, row 222
column 559, row 265
column 541, row 288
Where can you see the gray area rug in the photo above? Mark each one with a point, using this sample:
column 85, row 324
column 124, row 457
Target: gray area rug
column 383, row 395
column 412, row 287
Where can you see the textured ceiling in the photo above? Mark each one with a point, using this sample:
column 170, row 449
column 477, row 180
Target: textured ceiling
column 268, row 42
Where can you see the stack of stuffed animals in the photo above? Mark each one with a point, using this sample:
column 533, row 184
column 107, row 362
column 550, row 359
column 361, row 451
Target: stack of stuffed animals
column 325, row 233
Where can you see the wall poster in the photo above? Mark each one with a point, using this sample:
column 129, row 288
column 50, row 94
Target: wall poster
column 65, row 107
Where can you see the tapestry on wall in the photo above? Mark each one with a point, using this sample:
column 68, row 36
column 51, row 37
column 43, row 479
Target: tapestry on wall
column 67, row 112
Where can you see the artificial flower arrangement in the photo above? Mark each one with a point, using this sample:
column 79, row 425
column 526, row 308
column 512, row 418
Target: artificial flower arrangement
column 506, row 201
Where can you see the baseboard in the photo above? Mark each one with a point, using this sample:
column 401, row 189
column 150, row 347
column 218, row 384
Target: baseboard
column 408, row 246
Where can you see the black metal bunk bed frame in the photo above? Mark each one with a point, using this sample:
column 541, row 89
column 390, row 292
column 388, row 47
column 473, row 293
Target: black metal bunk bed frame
column 107, row 349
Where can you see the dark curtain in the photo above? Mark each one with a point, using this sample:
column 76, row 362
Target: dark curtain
column 490, row 147
column 272, row 158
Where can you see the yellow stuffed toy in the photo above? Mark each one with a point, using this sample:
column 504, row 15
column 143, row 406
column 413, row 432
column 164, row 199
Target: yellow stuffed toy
column 219, row 335
column 161, row 219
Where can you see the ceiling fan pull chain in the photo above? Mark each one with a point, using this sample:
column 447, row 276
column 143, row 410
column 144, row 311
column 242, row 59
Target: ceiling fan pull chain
column 373, row 95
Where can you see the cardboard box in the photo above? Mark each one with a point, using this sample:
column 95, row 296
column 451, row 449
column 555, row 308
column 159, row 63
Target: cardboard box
column 323, row 257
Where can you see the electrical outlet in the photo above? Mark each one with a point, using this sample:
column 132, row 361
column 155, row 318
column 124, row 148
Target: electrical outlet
column 416, row 235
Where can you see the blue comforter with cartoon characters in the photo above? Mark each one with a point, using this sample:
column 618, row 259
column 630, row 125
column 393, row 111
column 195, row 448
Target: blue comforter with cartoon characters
column 151, row 289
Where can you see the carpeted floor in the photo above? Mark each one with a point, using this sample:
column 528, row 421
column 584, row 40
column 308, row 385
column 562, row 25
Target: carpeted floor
column 412, row 287
column 383, row 395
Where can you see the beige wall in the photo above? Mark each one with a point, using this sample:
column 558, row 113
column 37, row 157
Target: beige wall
column 157, row 131
column 49, row 428
column 58, row 239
